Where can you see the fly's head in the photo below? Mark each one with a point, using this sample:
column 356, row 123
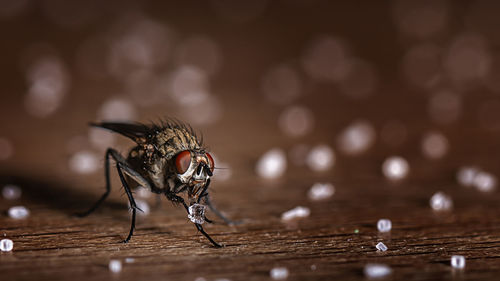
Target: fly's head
column 194, row 168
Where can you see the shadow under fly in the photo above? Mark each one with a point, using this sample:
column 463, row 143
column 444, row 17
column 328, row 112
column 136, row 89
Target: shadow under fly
column 168, row 159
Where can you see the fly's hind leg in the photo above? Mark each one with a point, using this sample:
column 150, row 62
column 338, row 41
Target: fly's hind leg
column 108, row 185
column 122, row 167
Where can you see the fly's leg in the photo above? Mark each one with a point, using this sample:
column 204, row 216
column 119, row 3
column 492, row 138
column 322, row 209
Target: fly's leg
column 133, row 206
column 179, row 199
column 200, row 229
column 121, row 167
column 203, row 192
column 218, row 213
column 108, row 186
column 204, row 195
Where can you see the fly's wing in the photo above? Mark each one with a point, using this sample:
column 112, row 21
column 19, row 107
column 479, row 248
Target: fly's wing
column 135, row 131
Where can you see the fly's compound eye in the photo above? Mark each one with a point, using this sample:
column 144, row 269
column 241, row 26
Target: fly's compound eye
column 211, row 162
column 182, row 161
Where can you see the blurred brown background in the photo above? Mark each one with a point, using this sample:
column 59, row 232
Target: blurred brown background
column 252, row 76
column 234, row 66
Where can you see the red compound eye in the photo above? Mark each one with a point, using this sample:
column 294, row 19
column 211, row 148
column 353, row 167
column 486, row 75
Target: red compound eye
column 182, row 161
column 211, row 162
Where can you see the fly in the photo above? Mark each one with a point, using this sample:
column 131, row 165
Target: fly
column 168, row 159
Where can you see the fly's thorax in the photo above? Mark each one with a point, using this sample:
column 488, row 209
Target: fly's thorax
column 157, row 172
column 136, row 157
column 136, row 153
column 171, row 141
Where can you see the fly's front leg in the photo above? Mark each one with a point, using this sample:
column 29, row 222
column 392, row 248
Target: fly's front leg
column 179, row 199
column 200, row 229
column 204, row 195
column 218, row 213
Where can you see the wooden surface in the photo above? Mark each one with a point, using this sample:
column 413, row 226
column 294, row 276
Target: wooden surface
column 338, row 238
column 52, row 244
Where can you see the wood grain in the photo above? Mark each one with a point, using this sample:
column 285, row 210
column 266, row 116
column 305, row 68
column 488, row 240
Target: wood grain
column 53, row 244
